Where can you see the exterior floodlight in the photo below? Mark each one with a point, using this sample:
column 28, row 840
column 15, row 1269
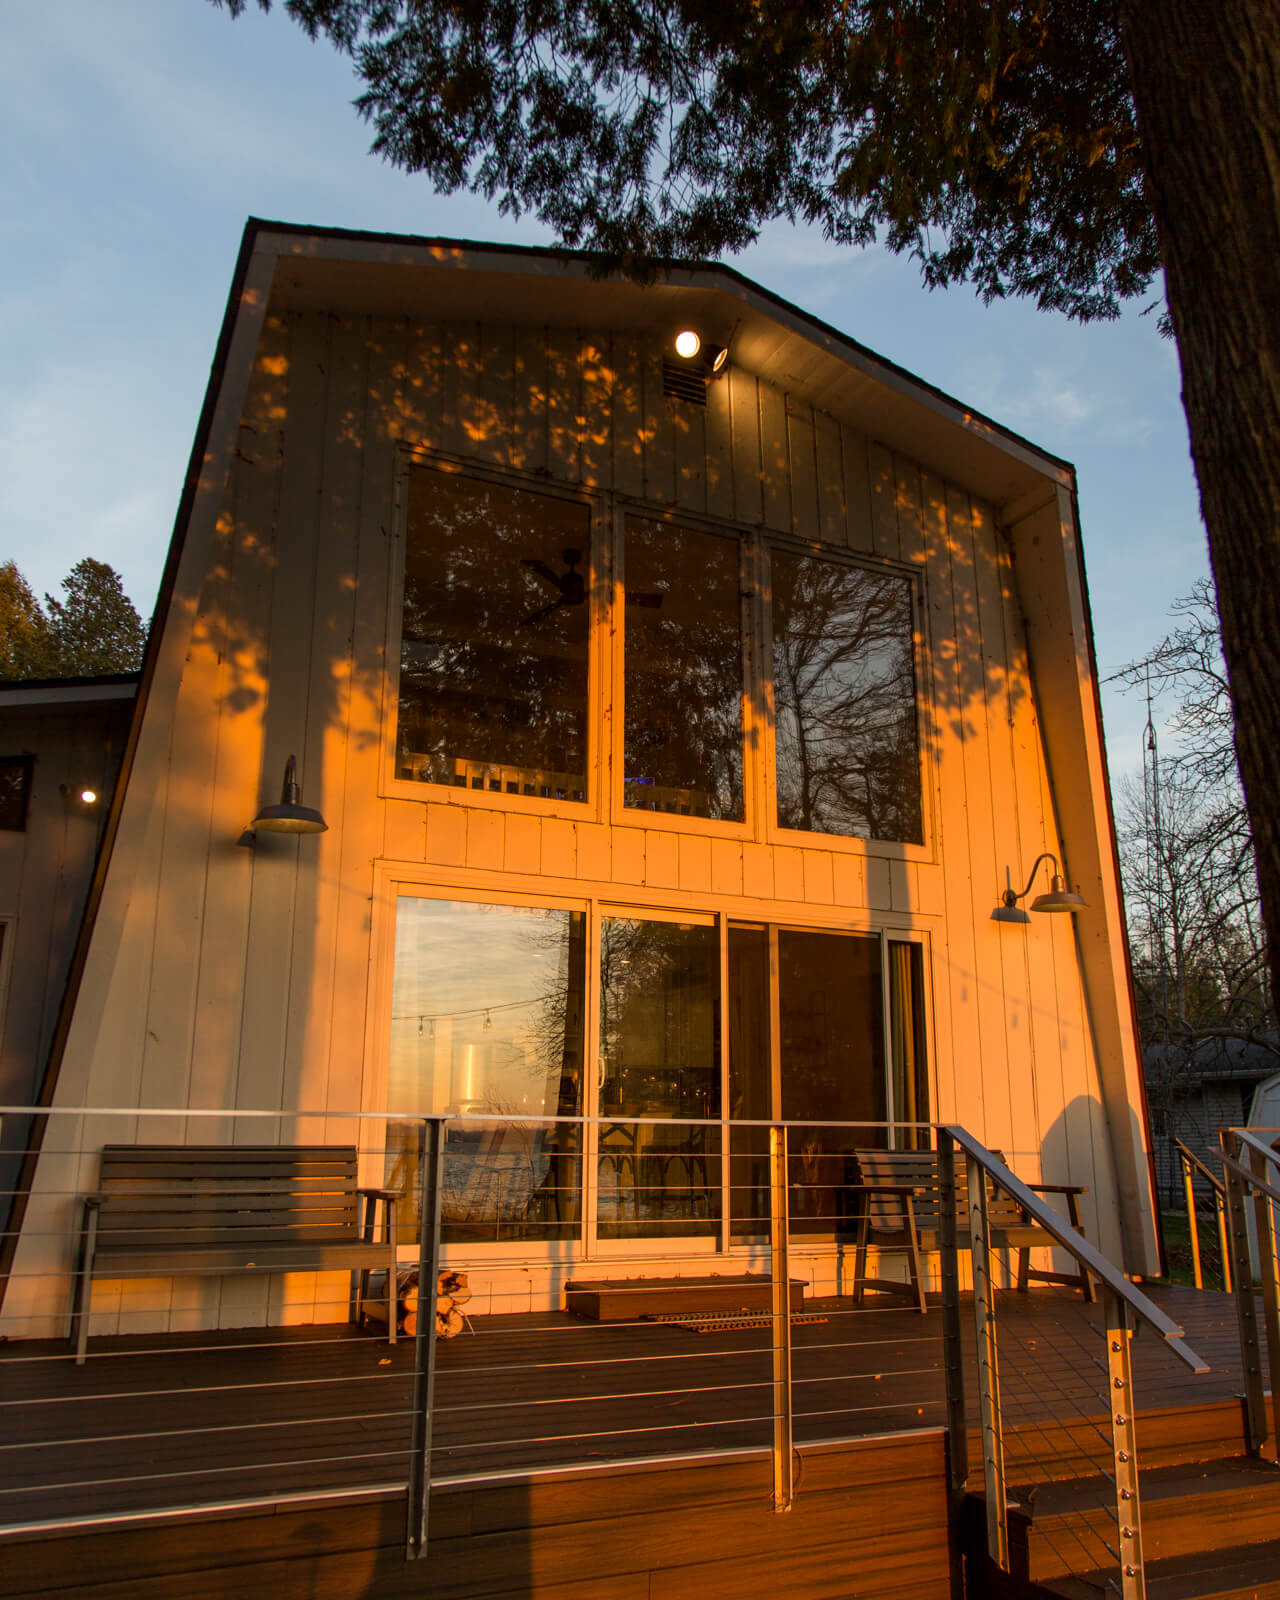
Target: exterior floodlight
column 79, row 796
column 289, row 816
column 716, row 356
column 687, row 344
column 1058, row 898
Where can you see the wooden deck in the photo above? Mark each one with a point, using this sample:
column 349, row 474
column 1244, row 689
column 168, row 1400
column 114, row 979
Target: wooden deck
column 564, row 1418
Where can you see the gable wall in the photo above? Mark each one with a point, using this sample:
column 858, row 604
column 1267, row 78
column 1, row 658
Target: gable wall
column 241, row 977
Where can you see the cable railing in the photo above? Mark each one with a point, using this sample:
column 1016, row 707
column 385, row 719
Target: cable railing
column 1192, row 1167
column 622, row 1291
column 1251, row 1167
column 1073, row 1540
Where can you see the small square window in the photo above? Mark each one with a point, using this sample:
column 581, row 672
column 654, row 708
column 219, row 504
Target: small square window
column 15, row 791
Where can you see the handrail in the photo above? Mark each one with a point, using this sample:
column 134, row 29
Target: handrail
column 1189, row 1155
column 1252, row 1179
column 1078, row 1246
column 1249, row 1137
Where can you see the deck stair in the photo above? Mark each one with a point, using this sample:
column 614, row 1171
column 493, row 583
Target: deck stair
column 1210, row 1518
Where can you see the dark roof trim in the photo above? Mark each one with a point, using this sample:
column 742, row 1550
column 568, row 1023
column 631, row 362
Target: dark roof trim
column 598, row 265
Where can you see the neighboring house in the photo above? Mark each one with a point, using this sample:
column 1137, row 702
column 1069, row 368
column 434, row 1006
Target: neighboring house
column 677, row 732
column 61, row 743
column 1194, row 1091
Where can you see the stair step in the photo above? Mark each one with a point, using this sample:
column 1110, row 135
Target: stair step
column 1245, row 1572
column 1073, row 1447
column 1187, row 1509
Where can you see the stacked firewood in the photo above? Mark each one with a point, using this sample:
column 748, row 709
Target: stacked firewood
column 452, row 1294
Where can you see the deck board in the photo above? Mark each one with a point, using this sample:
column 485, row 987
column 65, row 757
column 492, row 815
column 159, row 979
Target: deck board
column 547, row 1401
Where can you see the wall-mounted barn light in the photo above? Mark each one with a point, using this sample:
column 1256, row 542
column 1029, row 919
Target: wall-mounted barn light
column 78, row 795
column 289, row 816
column 1058, row 897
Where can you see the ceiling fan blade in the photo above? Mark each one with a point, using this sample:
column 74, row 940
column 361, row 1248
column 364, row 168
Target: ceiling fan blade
column 537, row 616
column 543, row 570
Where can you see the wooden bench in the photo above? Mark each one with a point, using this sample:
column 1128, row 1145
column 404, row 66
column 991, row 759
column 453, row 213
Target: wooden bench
column 897, row 1201
column 177, row 1210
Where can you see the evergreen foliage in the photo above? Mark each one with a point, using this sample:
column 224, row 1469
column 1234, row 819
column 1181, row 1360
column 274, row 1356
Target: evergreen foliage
column 93, row 631
column 995, row 143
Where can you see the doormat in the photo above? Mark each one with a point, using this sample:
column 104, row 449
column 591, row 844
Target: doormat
column 728, row 1319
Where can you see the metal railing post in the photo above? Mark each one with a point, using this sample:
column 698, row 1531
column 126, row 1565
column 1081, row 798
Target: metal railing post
column 984, row 1320
column 1256, row 1426
column 1224, row 1243
column 1193, row 1228
column 952, row 1340
column 1124, row 1446
column 430, row 1162
column 779, row 1228
column 1264, row 1223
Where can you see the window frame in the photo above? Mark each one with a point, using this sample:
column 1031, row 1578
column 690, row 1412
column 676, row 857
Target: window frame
column 774, row 833
column 599, row 583
column 608, row 511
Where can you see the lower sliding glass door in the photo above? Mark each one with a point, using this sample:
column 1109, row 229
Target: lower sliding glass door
column 658, row 1162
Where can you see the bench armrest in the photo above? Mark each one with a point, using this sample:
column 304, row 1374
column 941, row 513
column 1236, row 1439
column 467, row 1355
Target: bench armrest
column 1058, row 1188
column 889, row 1188
column 381, row 1194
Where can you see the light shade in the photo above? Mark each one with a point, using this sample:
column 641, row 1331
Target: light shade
column 1059, row 897
column 289, row 816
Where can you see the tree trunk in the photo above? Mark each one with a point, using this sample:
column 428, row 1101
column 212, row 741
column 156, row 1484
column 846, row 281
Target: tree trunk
column 1206, row 82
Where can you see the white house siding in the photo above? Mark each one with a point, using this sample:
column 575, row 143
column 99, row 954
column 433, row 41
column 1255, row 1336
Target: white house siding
column 232, row 977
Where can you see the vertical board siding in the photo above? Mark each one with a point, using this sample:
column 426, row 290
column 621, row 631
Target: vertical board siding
column 244, row 975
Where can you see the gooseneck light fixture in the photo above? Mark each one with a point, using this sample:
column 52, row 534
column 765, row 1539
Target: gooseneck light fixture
column 1058, row 897
column 290, row 816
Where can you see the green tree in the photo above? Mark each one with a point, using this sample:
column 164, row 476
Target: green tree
column 1063, row 149
column 26, row 649
column 94, row 630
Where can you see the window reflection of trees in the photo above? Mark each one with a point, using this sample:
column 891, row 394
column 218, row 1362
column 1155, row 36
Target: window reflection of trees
column 659, row 1048
column 683, row 721
column 493, row 656
column 844, row 693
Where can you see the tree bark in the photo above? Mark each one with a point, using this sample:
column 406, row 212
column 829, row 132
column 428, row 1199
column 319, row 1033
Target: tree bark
column 1206, row 83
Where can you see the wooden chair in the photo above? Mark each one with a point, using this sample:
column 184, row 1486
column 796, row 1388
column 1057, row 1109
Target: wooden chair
column 896, row 1196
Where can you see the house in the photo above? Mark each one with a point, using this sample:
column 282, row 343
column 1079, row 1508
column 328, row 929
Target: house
column 677, row 721
column 61, row 744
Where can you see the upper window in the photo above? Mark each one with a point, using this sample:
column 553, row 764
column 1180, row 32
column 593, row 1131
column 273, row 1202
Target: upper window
column 683, row 722
column 844, row 698
column 15, row 791
column 493, row 644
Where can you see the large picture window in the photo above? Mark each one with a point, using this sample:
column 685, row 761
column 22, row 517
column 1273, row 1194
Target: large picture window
column 844, row 697
column 683, row 721
column 493, row 642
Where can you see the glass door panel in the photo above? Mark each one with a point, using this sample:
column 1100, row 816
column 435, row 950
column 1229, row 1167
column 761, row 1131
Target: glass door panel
column 831, row 1027
column 487, row 1018
column 750, row 1081
column 659, row 1062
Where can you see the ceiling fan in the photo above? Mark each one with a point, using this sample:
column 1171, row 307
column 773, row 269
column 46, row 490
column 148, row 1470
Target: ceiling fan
column 571, row 586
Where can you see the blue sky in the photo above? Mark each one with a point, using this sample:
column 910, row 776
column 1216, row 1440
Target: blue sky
column 139, row 135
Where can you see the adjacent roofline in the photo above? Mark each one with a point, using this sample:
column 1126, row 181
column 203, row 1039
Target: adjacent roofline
column 68, row 691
